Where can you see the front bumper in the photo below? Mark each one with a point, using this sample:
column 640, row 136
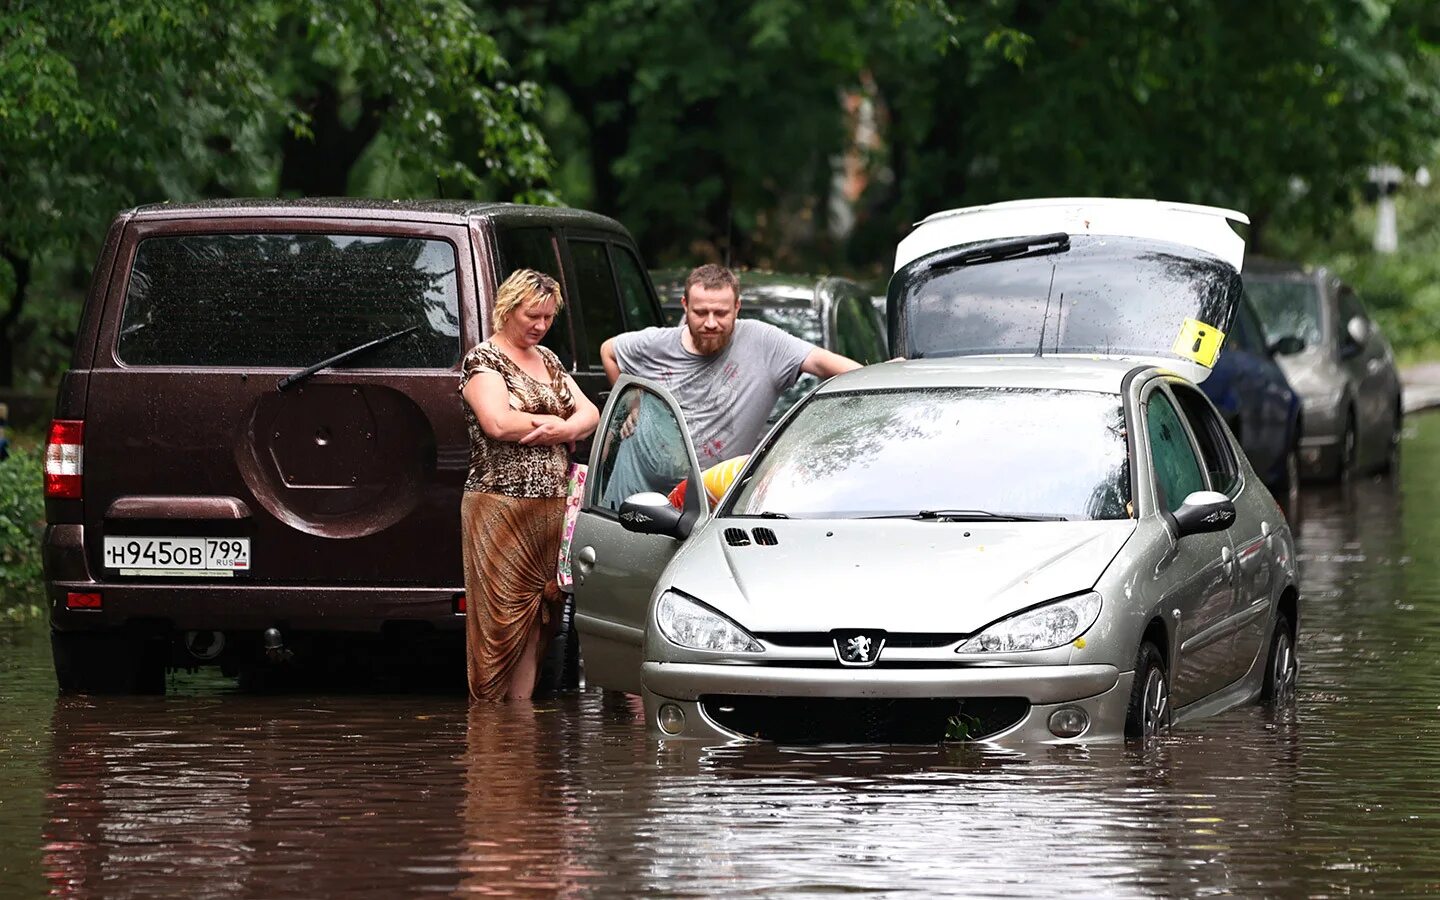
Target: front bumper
column 1101, row 691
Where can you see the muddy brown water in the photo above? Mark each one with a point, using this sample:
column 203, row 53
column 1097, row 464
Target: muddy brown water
column 214, row 792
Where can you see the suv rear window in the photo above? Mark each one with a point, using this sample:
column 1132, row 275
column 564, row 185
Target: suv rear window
column 291, row 300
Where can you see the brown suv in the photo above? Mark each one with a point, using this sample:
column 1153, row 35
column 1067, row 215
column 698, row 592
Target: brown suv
column 259, row 448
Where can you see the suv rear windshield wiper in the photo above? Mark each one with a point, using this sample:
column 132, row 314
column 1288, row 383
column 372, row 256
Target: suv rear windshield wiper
column 964, row 515
column 341, row 357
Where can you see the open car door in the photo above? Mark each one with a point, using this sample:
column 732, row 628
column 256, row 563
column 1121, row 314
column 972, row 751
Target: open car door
column 641, row 453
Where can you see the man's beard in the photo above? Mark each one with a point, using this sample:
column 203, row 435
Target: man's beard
column 708, row 344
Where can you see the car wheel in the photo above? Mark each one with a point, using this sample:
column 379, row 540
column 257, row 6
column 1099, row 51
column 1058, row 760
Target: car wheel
column 1288, row 490
column 1149, row 711
column 1390, row 465
column 1345, row 467
column 108, row 663
column 1282, row 666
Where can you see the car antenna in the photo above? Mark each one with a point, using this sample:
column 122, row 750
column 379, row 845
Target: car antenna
column 1059, row 319
column 1040, row 347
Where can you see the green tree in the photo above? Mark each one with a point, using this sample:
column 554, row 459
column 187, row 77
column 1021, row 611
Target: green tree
column 106, row 103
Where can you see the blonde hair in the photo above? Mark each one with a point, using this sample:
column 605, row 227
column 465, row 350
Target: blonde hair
column 522, row 288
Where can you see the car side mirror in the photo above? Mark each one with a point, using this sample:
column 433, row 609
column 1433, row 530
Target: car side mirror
column 1289, row 345
column 649, row 512
column 1204, row 512
column 1358, row 329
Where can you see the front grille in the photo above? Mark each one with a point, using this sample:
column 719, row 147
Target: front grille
column 831, row 720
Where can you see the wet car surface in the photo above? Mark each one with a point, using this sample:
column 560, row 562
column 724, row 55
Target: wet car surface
column 209, row 791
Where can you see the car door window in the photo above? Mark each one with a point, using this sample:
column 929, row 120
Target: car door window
column 857, row 334
column 642, row 448
column 640, row 308
column 601, row 304
column 1177, row 471
column 1245, row 334
column 1215, row 449
column 534, row 248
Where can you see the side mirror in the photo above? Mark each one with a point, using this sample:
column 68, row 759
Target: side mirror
column 651, row 513
column 1204, row 512
column 1289, row 345
column 1358, row 329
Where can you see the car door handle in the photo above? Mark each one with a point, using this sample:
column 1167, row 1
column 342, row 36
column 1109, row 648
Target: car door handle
column 1227, row 560
column 584, row 560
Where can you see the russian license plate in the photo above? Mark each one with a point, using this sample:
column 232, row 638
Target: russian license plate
column 177, row 555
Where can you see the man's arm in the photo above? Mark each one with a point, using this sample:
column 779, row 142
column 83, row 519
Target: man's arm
column 608, row 360
column 824, row 364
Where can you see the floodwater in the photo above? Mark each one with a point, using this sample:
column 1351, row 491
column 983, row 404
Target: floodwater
column 209, row 791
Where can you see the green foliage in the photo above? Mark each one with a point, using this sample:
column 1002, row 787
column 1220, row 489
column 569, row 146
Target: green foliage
column 961, row 726
column 22, row 522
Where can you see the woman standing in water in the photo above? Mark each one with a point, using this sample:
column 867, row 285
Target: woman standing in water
column 522, row 412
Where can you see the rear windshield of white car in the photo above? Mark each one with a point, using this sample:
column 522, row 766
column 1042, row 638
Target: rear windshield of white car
column 1287, row 308
column 1002, row 451
column 1107, row 295
column 291, row 300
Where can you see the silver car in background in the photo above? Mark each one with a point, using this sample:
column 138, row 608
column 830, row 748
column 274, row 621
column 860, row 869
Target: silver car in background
column 1335, row 357
column 1016, row 548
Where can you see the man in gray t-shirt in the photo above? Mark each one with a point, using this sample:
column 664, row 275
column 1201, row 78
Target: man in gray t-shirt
column 725, row 372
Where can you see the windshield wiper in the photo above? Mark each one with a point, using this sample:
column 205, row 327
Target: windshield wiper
column 761, row 515
column 1010, row 248
column 341, row 357
column 964, row 515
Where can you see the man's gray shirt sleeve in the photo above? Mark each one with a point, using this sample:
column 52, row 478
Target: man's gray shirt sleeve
column 786, row 352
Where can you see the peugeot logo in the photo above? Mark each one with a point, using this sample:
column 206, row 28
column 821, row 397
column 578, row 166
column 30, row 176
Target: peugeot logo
column 858, row 648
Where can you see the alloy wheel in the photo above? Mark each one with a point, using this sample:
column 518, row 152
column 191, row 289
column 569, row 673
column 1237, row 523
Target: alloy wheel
column 1155, row 710
column 1284, row 669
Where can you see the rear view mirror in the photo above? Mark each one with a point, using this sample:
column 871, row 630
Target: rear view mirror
column 1204, row 512
column 651, row 513
column 1289, row 345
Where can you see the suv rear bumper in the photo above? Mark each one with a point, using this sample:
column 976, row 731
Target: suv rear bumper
column 232, row 606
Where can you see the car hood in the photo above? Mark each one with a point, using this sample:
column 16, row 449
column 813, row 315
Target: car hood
column 896, row 575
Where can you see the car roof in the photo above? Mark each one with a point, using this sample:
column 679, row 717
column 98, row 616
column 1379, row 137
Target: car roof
column 757, row 288
column 1266, row 269
column 371, row 208
column 1069, row 373
column 1205, row 228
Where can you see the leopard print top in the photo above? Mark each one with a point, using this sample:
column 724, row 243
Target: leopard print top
column 506, row 467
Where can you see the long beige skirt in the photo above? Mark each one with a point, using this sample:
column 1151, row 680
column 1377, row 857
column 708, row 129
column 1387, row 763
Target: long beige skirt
column 511, row 546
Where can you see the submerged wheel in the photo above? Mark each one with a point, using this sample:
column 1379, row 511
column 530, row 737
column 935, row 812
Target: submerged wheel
column 1349, row 443
column 1282, row 667
column 108, row 663
column 1390, row 465
column 1288, row 494
column 1149, row 711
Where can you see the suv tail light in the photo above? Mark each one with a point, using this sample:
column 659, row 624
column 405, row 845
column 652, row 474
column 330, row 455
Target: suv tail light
column 64, row 458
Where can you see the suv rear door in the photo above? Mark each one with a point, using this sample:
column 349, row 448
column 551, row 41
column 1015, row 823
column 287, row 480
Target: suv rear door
column 347, row 476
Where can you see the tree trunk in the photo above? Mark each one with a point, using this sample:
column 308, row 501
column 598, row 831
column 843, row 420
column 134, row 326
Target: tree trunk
column 21, row 266
column 319, row 166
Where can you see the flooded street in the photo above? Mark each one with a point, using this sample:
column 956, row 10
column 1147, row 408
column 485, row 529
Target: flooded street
column 209, row 791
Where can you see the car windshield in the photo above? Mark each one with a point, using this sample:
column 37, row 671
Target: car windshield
column 1109, row 295
column 1286, row 307
column 1001, row 451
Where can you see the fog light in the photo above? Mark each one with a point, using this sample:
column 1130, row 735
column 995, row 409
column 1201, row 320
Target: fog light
column 1069, row 722
column 671, row 719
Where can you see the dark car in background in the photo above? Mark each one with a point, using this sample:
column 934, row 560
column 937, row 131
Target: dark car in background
column 259, row 450
column 1339, row 363
column 1249, row 389
column 828, row 311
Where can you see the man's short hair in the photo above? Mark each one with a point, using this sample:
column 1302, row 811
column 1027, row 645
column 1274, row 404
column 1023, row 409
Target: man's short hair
column 712, row 276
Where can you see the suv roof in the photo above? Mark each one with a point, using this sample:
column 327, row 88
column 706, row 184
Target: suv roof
column 367, row 208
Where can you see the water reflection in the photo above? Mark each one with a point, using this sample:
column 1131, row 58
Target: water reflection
column 208, row 791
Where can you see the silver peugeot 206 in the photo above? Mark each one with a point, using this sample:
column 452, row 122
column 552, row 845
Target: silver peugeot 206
column 1045, row 536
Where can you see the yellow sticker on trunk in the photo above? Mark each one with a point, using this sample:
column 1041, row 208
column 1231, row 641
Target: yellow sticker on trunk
column 1199, row 342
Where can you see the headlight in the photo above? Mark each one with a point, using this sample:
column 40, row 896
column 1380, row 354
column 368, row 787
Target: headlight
column 1042, row 628
column 690, row 624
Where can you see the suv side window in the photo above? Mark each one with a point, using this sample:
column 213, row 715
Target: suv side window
column 1177, row 471
column 534, row 248
column 640, row 309
column 596, row 285
column 1246, row 331
column 1209, row 433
